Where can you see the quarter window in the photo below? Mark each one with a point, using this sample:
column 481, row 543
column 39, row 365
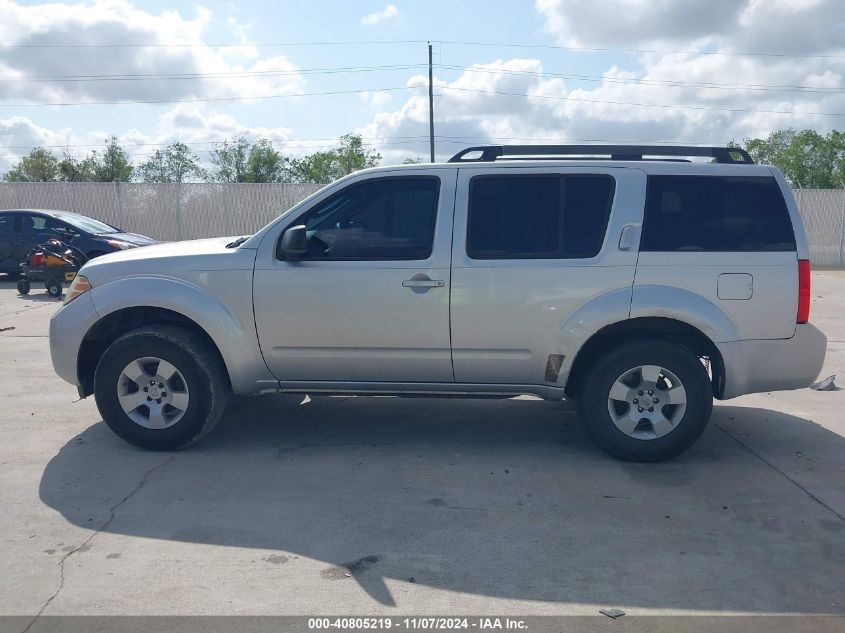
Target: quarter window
column 544, row 216
column 716, row 213
column 378, row 219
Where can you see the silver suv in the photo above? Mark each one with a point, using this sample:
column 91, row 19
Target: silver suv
column 638, row 281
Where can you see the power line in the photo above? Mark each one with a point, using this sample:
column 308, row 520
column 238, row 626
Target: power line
column 650, row 82
column 474, row 68
column 640, row 50
column 196, row 100
column 212, row 142
column 639, row 105
column 217, row 44
column 218, row 75
column 598, row 49
column 476, row 90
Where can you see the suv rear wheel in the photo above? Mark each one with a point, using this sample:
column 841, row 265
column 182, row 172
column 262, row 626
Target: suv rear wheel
column 646, row 401
column 160, row 387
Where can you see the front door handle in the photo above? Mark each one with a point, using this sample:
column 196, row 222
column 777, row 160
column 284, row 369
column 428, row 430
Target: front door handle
column 423, row 283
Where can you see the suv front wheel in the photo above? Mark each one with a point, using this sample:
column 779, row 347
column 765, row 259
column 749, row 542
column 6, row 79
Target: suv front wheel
column 160, row 387
column 646, row 401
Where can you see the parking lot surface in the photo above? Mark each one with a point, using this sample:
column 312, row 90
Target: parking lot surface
column 346, row 505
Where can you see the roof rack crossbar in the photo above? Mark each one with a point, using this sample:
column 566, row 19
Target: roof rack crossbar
column 489, row 153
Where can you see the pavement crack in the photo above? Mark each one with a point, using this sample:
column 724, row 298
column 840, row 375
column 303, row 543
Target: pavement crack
column 112, row 514
column 780, row 472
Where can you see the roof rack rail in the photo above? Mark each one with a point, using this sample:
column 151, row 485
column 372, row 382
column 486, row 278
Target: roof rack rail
column 489, row 153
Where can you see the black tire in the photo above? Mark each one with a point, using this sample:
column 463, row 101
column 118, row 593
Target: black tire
column 203, row 372
column 54, row 288
column 23, row 286
column 593, row 403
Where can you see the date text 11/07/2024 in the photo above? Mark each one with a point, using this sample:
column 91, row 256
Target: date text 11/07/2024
column 418, row 623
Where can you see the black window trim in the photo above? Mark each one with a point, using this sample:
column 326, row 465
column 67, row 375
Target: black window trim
column 552, row 174
column 649, row 179
column 299, row 220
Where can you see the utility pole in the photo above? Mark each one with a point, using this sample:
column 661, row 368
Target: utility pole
column 430, row 104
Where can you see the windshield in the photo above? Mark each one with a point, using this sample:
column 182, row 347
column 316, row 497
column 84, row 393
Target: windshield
column 89, row 225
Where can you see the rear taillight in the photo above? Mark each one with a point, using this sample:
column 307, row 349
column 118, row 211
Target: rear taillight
column 803, row 290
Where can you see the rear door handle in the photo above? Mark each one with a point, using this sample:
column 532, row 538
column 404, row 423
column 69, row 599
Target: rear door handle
column 423, row 283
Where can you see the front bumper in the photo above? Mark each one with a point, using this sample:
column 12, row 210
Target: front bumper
column 68, row 328
column 755, row 366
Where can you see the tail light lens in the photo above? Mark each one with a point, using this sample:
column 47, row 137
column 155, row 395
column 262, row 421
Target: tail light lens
column 803, row 290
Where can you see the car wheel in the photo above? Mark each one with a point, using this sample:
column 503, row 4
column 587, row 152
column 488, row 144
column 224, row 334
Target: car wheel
column 54, row 288
column 23, row 286
column 160, row 387
column 646, row 401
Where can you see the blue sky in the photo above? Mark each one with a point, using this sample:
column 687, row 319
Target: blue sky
column 548, row 88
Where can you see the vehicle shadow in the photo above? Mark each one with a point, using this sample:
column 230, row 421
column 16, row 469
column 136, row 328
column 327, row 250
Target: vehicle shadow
column 504, row 498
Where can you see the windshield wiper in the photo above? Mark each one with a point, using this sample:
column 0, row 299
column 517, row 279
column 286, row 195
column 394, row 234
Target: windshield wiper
column 238, row 241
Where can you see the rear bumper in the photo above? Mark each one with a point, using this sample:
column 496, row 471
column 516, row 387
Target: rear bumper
column 755, row 366
column 68, row 328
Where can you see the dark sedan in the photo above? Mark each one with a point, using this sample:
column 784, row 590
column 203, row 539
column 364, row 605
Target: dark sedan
column 22, row 229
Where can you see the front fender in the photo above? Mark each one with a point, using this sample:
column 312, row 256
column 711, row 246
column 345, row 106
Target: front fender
column 683, row 305
column 231, row 329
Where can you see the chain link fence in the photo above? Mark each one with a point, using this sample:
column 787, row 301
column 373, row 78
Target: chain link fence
column 186, row 211
column 166, row 212
column 823, row 213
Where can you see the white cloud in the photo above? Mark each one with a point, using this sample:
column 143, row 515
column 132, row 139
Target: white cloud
column 377, row 99
column 787, row 26
column 233, row 70
column 648, row 97
column 390, row 12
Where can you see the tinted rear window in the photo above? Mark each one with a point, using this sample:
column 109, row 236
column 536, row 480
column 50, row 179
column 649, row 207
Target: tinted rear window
column 715, row 213
column 547, row 216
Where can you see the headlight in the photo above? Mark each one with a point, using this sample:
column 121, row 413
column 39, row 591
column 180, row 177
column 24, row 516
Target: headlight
column 79, row 285
column 121, row 245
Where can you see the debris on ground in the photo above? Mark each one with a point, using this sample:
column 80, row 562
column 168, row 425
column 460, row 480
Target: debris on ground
column 6, row 329
column 612, row 613
column 827, row 384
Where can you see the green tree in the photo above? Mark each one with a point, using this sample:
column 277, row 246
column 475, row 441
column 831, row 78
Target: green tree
column 808, row 159
column 230, row 160
column 176, row 163
column 351, row 155
column 326, row 166
column 265, row 163
column 38, row 166
column 112, row 165
column 71, row 169
column 239, row 160
column 416, row 160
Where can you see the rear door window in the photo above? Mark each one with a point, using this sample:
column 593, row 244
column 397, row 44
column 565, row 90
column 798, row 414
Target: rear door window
column 716, row 213
column 543, row 216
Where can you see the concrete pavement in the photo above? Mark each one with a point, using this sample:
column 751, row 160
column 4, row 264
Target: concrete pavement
column 408, row 506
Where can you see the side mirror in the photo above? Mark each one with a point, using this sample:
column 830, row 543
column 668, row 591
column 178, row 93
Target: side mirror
column 294, row 243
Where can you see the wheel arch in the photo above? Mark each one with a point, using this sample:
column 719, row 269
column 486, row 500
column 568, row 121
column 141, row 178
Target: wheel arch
column 217, row 307
column 117, row 323
column 662, row 328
